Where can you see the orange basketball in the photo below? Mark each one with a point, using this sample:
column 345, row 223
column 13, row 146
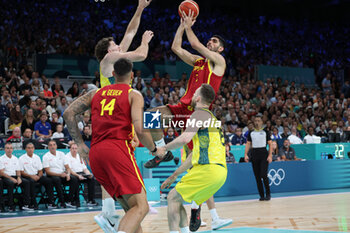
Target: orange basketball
column 188, row 5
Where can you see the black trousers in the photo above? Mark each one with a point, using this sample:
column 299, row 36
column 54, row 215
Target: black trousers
column 91, row 186
column 73, row 188
column 10, row 185
column 47, row 183
column 260, row 168
column 1, row 192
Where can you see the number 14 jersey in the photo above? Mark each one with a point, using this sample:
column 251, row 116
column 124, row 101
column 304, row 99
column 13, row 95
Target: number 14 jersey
column 111, row 114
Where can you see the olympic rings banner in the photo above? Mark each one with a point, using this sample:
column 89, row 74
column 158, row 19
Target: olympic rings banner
column 289, row 176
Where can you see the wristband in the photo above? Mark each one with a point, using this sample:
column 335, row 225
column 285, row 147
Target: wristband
column 155, row 150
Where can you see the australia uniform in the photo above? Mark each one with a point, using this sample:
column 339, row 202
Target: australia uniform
column 111, row 156
column 209, row 170
column 201, row 73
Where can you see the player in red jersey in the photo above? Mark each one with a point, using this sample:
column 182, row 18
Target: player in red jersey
column 207, row 68
column 116, row 111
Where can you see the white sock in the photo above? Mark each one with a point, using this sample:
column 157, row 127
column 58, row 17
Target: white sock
column 160, row 143
column 108, row 206
column 213, row 214
column 185, row 230
column 171, row 232
column 121, row 232
column 194, row 205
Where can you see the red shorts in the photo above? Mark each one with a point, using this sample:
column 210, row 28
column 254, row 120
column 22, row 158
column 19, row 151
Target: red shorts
column 114, row 166
column 182, row 112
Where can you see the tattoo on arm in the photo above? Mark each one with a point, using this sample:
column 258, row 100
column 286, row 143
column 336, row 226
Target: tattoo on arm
column 79, row 106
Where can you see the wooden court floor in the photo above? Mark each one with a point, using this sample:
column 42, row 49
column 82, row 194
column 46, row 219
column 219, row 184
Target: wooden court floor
column 325, row 212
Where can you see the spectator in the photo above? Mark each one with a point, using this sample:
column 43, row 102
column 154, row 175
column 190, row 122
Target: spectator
column 326, row 83
column 275, row 135
column 229, row 156
column 238, row 138
column 293, row 138
column 36, row 87
column 87, row 133
column 11, row 175
column 58, row 133
column 27, row 134
column 62, row 104
column 28, row 121
column 15, row 139
column 275, row 154
column 311, row 138
column 42, row 127
column 77, row 168
column 16, row 117
column 334, row 135
column 32, row 169
column 287, row 153
column 322, row 133
column 87, row 87
column 47, row 93
column 25, row 86
column 52, row 107
column 84, row 122
column 138, row 79
column 156, row 101
column 4, row 114
column 55, row 164
column 285, row 133
column 73, row 92
column 56, row 87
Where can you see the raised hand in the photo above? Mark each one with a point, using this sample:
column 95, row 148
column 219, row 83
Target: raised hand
column 188, row 20
column 147, row 36
column 144, row 3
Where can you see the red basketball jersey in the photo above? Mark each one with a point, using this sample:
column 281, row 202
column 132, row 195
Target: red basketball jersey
column 111, row 114
column 201, row 73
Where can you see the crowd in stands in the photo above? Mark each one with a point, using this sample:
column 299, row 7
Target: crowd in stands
column 74, row 29
column 31, row 105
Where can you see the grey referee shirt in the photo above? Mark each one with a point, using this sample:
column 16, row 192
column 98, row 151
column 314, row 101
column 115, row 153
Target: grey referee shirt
column 259, row 138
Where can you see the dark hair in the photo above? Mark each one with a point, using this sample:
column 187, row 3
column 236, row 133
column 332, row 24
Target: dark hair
column 8, row 143
column 101, row 48
column 207, row 93
column 30, row 143
column 221, row 40
column 122, row 67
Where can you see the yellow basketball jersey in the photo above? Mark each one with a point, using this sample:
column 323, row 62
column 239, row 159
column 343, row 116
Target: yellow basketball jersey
column 209, row 145
column 104, row 81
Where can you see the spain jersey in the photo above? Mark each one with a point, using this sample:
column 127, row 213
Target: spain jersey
column 111, row 114
column 209, row 145
column 201, row 73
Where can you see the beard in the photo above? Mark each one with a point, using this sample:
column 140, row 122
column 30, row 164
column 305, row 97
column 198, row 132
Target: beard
column 193, row 104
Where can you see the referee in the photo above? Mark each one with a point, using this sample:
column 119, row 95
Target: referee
column 260, row 157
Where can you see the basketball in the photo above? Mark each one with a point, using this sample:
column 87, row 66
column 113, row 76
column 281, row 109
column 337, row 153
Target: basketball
column 188, row 5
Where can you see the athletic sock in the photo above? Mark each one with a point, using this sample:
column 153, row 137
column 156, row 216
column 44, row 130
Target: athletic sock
column 121, row 232
column 213, row 214
column 185, row 230
column 108, row 206
column 194, row 205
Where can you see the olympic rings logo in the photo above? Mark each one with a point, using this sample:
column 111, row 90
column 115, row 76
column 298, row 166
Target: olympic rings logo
column 276, row 177
column 152, row 189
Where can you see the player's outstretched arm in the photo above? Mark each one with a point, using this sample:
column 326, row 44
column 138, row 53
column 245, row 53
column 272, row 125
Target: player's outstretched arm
column 214, row 57
column 140, row 54
column 78, row 106
column 176, row 47
column 137, row 105
column 133, row 26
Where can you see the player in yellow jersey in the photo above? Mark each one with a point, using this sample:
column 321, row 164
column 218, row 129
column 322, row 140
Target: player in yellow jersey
column 208, row 161
column 107, row 53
